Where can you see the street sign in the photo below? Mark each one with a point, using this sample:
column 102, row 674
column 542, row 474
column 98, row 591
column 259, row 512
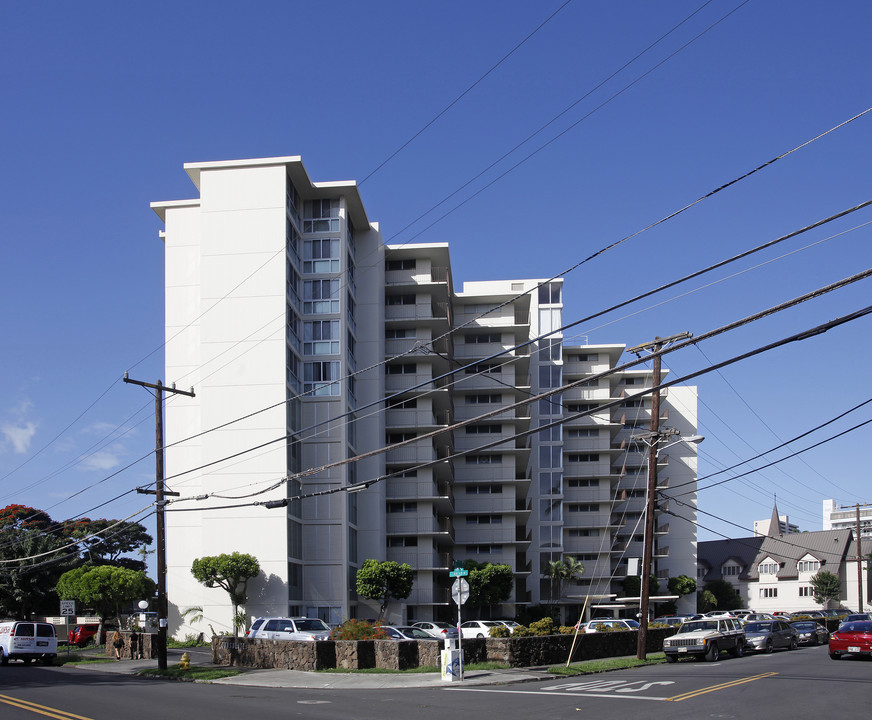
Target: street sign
column 68, row 608
column 459, row 572
column 460, row 591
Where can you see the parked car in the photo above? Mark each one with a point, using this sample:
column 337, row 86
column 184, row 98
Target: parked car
column 86, row 634
column 835, row 612
column 766, row 635
column 857, row 616
column 296, row 628
column 438, row 630
column 706, row 638
column 810, row 632
column 478, row 628
column 510, row 624
column 719, row 614
column 852, row 638
column 610, row 625
column 671, row 620
column 406, row 632
column 807, row 613
column 758, row 616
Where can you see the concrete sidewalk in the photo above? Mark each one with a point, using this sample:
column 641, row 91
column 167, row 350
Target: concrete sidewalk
column 251, row 677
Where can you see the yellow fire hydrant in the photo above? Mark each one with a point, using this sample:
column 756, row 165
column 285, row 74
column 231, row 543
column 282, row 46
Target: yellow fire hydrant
column 185, row 662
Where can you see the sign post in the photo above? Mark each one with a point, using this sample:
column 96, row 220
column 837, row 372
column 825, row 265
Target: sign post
column 460, row 594
column 68, row 610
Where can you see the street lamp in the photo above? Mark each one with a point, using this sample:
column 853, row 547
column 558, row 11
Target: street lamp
column 655, row 441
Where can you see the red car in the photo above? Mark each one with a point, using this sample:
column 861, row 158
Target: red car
column 86, row 634
column 852, row 638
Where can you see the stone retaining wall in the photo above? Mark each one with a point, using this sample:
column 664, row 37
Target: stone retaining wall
column 406, row 654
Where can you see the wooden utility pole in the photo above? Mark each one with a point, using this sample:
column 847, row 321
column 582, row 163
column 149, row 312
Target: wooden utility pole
column 861, row 604
column 648, row 539
column 160, row 503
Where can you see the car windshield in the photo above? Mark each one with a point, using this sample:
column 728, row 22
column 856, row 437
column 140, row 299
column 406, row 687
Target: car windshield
column 856, row 627
column 758, row 627
column 632, row 623
column 697, row 625
column 313, row 624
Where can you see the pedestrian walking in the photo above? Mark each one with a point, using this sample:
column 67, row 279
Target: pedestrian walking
column 117, row 644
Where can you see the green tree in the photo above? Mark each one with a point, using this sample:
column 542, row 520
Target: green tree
column 826, row 587
column 27, row 586
column 681, row 585
column 633, row 585
column 489, row 584
column 706, row 601
column 561, row 572
column 725, row 594
column 231, row 572
column 106, row 588
column 384, row 581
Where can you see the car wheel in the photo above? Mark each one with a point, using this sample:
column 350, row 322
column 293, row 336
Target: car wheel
column 671, row 658
column 479, row 635
column 3, row 659
column 712, row 652
column 793, row 644
column 738, row 651
column 835, row 656
column 769, row 646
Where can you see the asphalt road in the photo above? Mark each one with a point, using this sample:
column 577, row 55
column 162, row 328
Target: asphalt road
column 799, row 684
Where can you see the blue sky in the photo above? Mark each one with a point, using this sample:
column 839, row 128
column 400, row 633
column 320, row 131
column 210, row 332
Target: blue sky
column 105, row 101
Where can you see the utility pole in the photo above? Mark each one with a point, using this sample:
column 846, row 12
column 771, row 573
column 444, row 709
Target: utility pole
column 859, row 565
column 160, row 504
column 648, row 539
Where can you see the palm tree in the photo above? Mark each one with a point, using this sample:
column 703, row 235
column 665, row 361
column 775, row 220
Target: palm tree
column 561, row 571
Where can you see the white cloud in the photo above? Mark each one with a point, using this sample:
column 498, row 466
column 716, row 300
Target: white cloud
column 101, row 460
column 18, row 436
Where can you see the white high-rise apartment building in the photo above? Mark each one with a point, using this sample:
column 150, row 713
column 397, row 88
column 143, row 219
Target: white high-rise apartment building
column 844, row 517
column 309, row 342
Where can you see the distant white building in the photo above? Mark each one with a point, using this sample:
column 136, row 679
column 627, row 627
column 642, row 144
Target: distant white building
column 785, row 527
column 838, row 517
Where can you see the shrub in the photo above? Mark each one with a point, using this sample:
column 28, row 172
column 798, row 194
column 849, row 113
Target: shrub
column 359, row 630
column 566, row 630
column 545, row 626
column 501, row 631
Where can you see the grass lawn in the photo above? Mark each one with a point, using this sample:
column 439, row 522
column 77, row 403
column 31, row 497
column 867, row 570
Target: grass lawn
column 606, row 664
column 193, row 674
column 422, row 669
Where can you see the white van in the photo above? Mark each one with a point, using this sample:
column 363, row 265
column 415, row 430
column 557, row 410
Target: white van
column 26, row 641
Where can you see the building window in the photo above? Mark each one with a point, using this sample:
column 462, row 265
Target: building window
column 401, row 404
column 806, row 592
column 549, row 349
column 398, row 437
column 321, row 296
column 768, row 592
column 550, row 456
column 550, row 510
column 399, row 333
column 400, row 369
column 323, row 216
column 483, row 399
column 320, row 378
column 321, row 256
column 408, row 299
column 584, row 482
column 769, row 568
column 584, row 357
column 402, row 507
column 321, row 337
column 582, row 457
column 582, row 432
column 484, row 519
column 407, row 264
column 549, row 293
column 484, row 549
column 808, row 566
column 484, row 489
column 403, row 542
column 728, row 569
column 484, row 429
column 483, row 368
column 583, row 507
column 484, row 459
column 475, row 338
column 580, row 407
column 583, row 532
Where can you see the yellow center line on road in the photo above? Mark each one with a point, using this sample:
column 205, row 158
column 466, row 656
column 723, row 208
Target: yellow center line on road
column 40, row 709
column 722, row 686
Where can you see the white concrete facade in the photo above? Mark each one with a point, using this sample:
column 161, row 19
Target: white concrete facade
column 307, row 338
